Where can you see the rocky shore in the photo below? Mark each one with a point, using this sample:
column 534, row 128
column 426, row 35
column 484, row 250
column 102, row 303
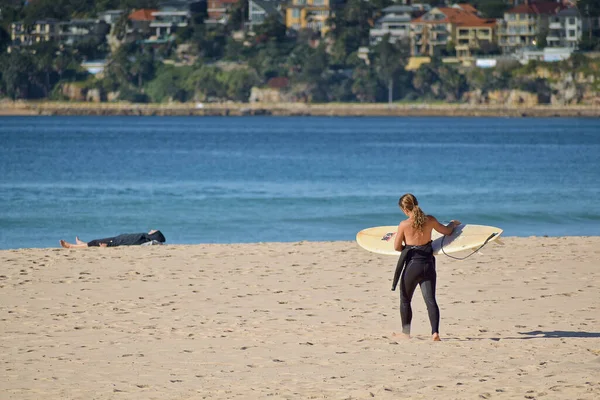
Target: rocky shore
column 293, row 109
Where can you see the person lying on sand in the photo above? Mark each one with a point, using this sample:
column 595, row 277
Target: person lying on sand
column 126, row 239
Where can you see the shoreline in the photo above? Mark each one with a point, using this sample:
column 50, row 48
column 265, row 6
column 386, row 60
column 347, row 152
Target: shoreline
column 296, row 242
column 47, row 108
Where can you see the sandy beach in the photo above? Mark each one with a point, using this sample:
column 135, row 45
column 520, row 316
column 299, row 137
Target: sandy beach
column 297, row 321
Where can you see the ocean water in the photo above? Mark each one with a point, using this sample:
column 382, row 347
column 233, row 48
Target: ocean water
column 258, row 179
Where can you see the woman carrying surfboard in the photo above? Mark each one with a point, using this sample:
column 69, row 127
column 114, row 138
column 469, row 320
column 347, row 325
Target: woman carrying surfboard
column 413, row 239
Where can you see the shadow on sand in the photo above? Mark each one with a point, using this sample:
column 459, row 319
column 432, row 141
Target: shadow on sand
column 558, row 334
column 536, row 335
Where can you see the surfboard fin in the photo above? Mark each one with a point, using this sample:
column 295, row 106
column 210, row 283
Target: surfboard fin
column 499, row 241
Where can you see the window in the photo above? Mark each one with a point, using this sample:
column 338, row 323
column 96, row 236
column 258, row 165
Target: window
column 318, row 2
column 295, row 13
column 300, row 2
column 571, row 32
column 571, row 21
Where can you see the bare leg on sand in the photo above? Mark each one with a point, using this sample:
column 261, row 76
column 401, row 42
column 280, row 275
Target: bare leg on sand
column 436, row 337
column 68, row 245
column 79, row 241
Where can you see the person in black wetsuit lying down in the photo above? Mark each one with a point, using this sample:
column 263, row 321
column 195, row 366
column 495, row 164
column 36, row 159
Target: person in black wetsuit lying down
column 414, row 237
column 126, row 239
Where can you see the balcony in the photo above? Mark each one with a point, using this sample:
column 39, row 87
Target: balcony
column 556, row 25
column 392, row 32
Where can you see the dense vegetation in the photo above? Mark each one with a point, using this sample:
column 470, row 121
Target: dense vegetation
column 227, row 69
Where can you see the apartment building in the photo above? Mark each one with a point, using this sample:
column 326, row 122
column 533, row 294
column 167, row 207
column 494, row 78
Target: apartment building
column 459, row 25
column 170, row 16
column 28, row 34
column 523, row 24
column 312, row 14
column 565, row 29
column 395, row 22
column 473, row 33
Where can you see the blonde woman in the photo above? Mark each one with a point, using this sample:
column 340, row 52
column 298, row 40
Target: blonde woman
column 414, row 237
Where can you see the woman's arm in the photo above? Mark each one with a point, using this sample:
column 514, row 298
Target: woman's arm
column 444, row 229
column 398, row 246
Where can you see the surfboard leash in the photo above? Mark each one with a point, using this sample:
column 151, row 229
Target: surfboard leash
column 475, row 251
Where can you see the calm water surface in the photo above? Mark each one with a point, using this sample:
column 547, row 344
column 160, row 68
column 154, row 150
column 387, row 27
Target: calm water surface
column 251, row 179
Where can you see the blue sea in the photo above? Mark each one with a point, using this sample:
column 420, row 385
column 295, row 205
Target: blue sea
column 262, row 179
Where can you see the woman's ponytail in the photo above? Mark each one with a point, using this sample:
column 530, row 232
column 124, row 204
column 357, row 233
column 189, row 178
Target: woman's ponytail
column 409, row 203
column 418, row 218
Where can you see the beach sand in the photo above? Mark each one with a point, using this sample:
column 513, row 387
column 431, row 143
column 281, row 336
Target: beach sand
column 297, row 321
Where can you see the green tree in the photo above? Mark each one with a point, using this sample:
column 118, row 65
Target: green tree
column 349, row 29
column 237, row 16
column 272, row 28
column 142, row 67
column 204, row 83
column 453, row 83
column 19, row 74
column 490, row 8
column 169, row 84
column 422, row 80
column 365, row 86
column 389, row 60
column 238, row 82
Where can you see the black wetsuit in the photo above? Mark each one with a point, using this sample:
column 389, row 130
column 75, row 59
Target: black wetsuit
column 419, row 270
column 128, row 239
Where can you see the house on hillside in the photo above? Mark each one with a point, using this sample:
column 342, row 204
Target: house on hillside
column 310, row 14
column 22, row 34
column 523, row 25
column 110, row 16
column 169, row 17
column 395, row 22
column 139, row 21
column 444, row 28
column 218, row 10
column 76, row 30
column 259, row 10
column 565, row 29
column 473, row 33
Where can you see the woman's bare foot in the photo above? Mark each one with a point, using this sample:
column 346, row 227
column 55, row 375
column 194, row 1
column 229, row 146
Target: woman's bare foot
column 436, row 337
column 65, row 244
column 78, row 241
column 401, row 336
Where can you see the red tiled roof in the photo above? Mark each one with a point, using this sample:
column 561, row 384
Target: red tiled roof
column 449, row 12
column 460, row 17
column 144, row 14
column 548, row 8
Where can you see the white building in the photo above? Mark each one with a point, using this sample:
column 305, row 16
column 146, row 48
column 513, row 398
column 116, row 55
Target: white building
column 395, row 22
column 259, row 10
column 565, row 29
column 170, row 16
column 110, row 16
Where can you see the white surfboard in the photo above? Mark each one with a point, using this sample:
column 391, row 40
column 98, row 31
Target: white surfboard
column 380, row 239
